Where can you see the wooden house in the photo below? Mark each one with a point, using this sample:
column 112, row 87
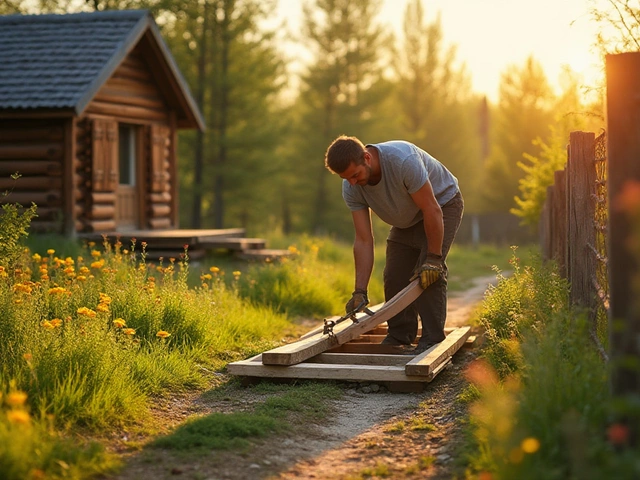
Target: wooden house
column 90, row 106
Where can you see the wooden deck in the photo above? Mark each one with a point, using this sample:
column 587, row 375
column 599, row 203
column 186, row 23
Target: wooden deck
column 171, row 243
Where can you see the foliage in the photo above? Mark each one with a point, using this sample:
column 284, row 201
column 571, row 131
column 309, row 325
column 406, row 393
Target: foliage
column 436, row 108
column 14, row 223
column 539, row 174
column 524, row 113
column 341, row 91
column 545, row 414
column 619, row 22
column 522, row 301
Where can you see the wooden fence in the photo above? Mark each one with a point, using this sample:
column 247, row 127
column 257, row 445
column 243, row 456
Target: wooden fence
column 573, row 228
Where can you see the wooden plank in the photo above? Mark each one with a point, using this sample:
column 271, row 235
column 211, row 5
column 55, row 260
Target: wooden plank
column 369, row 349
column 427, row 362
column 263, row 254
column 358, row 359
column 299, row 351
column 234, row 243
column 319, row 371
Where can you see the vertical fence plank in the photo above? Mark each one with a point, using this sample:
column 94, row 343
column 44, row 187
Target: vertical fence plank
column 580, row 213
column 623, row 151
column 560, row 221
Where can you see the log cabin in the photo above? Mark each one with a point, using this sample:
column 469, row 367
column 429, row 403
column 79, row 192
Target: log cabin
column 90, row 107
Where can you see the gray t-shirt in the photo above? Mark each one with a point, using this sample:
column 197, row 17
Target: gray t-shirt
column 405, row 169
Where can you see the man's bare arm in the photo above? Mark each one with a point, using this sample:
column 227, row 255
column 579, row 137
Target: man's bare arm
column 363, row 247
column 432, row 214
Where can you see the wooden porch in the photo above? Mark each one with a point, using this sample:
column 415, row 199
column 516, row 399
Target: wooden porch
column 171, row 243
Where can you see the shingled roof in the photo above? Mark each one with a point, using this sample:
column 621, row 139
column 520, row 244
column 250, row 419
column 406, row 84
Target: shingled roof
column 61, row 61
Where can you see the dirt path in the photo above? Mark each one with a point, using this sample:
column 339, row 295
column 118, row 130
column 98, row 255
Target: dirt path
column 372, row 433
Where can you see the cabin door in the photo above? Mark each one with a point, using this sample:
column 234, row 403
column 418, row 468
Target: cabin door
column 127, row 196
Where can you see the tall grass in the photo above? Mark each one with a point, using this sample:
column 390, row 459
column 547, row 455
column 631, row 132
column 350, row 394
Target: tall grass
column 544, row 409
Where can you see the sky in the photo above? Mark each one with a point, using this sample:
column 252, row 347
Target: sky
column 490, row 35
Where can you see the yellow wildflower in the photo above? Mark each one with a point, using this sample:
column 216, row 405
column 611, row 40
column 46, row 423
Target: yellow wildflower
column 102, row 307
column 36, row 257
column 129, row 331
column 237, row 274
column 47, row 324
column 205, row 276
column 84, row 270
column 56, row 290
column 22, row 287
column 104, row 298
column 16, row 398
column 214, row 269
column 81, row 278
column 530, row 445
column 51, row 251
column 86, row 311
column 95, row 253
column 18, row 416
column 163, row 334
column 92, row 244
column 119, row 322
column 98, row 264
column 56, row 322
column 293, row 250
column 28, row 357
column 68, row 261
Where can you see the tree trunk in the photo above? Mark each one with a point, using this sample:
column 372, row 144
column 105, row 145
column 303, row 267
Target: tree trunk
column 198, row 161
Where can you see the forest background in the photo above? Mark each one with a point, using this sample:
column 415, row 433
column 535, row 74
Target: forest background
column 259, row 163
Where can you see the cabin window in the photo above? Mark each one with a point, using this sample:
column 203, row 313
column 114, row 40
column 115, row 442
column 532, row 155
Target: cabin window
column 127, row 154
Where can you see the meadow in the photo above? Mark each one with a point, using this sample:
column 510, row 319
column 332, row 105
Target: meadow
column 92, row 333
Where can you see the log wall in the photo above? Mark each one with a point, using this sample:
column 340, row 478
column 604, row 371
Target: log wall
column 35, row 150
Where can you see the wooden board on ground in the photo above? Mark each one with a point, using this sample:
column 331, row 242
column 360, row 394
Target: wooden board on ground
column 301, row 350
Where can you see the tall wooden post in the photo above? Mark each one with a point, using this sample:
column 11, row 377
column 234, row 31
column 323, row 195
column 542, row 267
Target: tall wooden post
column 581, row 173
column 623, row 151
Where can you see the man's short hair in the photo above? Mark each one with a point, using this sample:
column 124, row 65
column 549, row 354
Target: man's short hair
column 342, row 152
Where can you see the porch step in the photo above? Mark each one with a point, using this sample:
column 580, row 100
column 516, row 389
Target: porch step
column 262, row 254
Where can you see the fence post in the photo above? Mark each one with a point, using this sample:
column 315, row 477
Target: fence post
column 623, row 152
column 560, row 221
column 581, row 172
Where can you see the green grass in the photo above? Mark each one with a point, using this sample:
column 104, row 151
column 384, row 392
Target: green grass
column 285, row 407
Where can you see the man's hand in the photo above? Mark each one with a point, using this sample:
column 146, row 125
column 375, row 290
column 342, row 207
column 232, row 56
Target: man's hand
column 358, row 302
column 430, row 270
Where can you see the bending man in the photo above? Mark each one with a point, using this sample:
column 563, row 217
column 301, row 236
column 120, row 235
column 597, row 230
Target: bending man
column 415, row 194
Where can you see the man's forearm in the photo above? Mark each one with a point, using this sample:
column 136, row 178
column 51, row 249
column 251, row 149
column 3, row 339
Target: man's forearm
column 363, row 259
column 434, row 230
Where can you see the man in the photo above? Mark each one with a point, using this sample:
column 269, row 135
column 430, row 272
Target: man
column 414, row 193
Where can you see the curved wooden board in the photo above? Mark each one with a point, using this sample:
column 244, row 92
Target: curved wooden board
column 346, row 331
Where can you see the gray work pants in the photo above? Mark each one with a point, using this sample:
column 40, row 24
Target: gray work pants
column 404, row 246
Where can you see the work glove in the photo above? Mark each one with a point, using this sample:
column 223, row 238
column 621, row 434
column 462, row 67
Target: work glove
column 358, row 302
column 429, row 270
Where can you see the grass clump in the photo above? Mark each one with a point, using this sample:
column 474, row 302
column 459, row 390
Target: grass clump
column 286, row 406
